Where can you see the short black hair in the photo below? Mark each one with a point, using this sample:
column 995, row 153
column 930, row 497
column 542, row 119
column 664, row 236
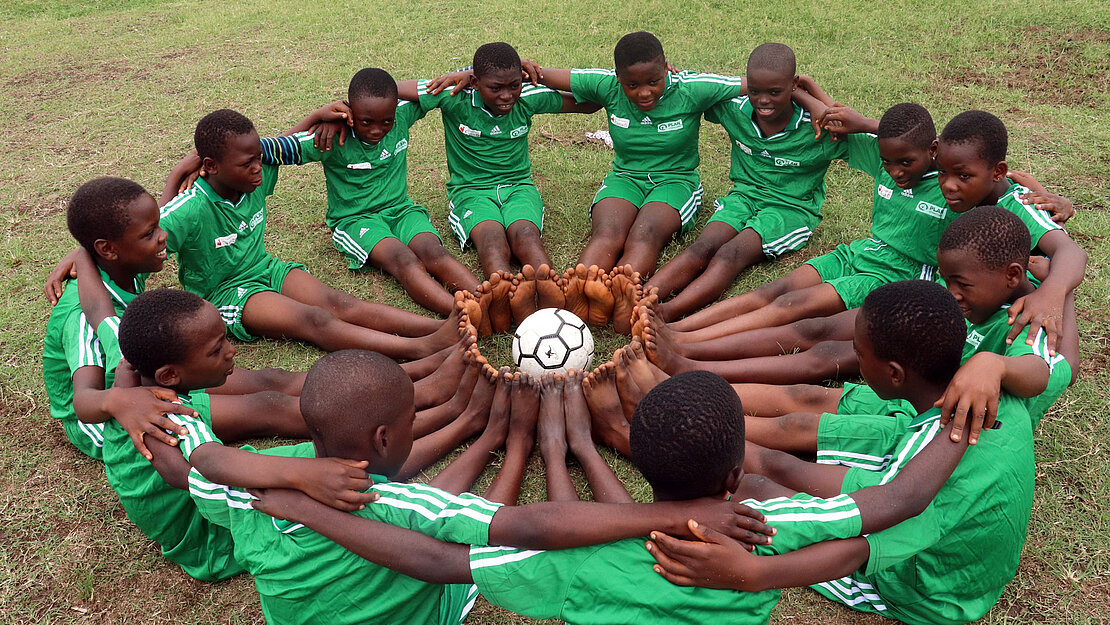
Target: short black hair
column 347, row 394
column 153, row 330
column 687, row 434
column 978, row 127
column 98, row 210
column 372, row 82
column 213, row 130
column 638, row 47
column 916, row 323
column 777, row 57
column 996, row 236
column 492, row 57
column 910, row 122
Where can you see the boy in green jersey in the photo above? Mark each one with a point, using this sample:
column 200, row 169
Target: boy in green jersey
column 778, row 174
column 371, row 216
column 654, row 191
column 688, row 441
column 951, row 563
column 216, row 229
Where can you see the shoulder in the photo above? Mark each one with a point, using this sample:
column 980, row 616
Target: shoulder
column 697, row 79
column 183, row 204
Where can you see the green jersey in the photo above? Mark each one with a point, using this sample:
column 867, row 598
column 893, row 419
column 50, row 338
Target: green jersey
column 950, row 563
column 785, row 169
column 484, row 149
column 165, row 514
column 217, row 242
column 664, row 139
column 615, row 583
column 70, row 344
column 303, row 577
column 908, row 220
column 361, row 178
column 1038, row 221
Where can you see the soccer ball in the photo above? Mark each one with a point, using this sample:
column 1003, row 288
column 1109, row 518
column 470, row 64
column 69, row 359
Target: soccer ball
column 552, row 340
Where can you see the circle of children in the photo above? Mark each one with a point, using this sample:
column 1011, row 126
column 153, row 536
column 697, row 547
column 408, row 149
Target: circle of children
column 898, row 516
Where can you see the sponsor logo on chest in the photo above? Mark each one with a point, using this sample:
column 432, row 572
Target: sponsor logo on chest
column 885, row 192
column 257, row 219
column 932, row 210
column 468, row 131
column 785, row 162
column 974, row 339
column 619, row 121
column 225, row 241
column 360, row 166
column 669, row 126
column 519, row 131
column 745, row 148
column 401, row 146
column 907, row 193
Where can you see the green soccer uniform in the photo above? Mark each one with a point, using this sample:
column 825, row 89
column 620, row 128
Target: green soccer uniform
column 165, row 514
column 367, row 186
column 220, row 251
column 70, row 344
column 950, row 563
column 487, row 155
column 906, row 225
column 615, row 583
column 303, row 577
column 778, row 182
column 1038, row 221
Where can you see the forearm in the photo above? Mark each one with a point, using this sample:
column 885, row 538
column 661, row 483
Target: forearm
column 811, row 88
column 1024, row 376
column 810, row 565
column 809, row 102
column 169, row 463
column 555, row 78
column 1069, row 263
column 183, row 168
column 559, row 524
column 243, row 469
column 409, row 90
column 91, row 405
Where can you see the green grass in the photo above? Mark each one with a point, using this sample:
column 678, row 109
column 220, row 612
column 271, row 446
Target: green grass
column 115, row 88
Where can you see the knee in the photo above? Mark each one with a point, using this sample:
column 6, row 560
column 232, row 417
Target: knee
column 791, row 299
column 702, row 250
column 316, row 318
column 798, row 423
column 808, row 395
column 650, row 233
column 811, row 330
column 523, row 233
column 407, row 266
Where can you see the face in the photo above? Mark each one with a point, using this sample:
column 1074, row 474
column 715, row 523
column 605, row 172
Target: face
column 142, row 247
column 211, row 357
column 643, row 83
column 965, row 178
column 373, row 117
column 979, row 291
column 905, row 162
column 240, row 167
column 500, row 89
column 770, row 92
column 874, row 370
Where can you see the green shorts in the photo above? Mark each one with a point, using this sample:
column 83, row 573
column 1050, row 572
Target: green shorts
column 455, row 603
column 682, row 192
column 860, row 399
column 857, row 268
column 231, row 299
column 503, row 203
column 356, row 237
column 856, row 592
column 88, row 438
column 780, row 228
column 863, row 443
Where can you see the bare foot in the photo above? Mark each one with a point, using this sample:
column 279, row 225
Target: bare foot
column 435, row 388
column 552, row 425
column 607, row 417
column 574, row 282
column 500, row 314
column 485, row 298
column 477, row 409
column 640, row 367
column 649, row 300
column 626, row 291
column 497, row 428
column 526, row 409
column 471, row 310
column 630, row 394
column 576, row 411
column 599, row 295
column 522, row 294
column 663, row 356
column 549, row 289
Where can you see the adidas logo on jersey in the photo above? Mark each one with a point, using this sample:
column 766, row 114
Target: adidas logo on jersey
column 669, row 126
column 468, row 131
column 885, row 192
column 519, row 131
column 765, row 153
column 363, row 232
column 646, row 120
column 242, row 226
column 496, row 130
column 226, row 240
column 745, row 148
column 619, row 121
column 932, row 210
column 974, row 339
column 385, row 155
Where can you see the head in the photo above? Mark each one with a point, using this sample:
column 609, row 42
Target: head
column 116, row 220
column 983, row 256
column 372, row 96
column 906, row 135
column 771, row 78
column 687, row 437
column 359, row 404
column 907, row 333
column 971, row 159
column 176, row 339
column 229, row 150
column 641, row 69
column 497, row 76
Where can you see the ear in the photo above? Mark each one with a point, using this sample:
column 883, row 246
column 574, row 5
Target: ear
column 896, row 372
column 1014, row 273
column 380, row 440
column 1000, row 171
column 732, row 482
column 167, row 376
column 105, row 249
column 209, row 166
column 933, row 148
column 794, row 82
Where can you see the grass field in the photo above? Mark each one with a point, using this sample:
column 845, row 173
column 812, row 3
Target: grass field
column 115, row 87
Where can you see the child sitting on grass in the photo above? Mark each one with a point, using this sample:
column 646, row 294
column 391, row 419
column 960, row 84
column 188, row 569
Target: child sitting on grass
column 216, row 229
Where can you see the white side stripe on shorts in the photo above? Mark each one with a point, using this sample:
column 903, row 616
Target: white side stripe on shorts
column 853, row 592
column 346, row 242
column 791, row 241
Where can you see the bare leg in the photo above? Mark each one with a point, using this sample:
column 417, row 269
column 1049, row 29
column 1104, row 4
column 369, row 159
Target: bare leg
column 301, row 286
column 690, row 262
column 439, row 386
column 492, row 243
column 655, row 227
column 815, row 301
column 441, row 264
column 505, row 487
column 553, row 440
column 772, row 400
column 799, row 278
column 795, row 432
column 611, row 220
column 741, row 252
column 527, row 244
column 522, row 294
column 606, row 485
column 399, row 261
column 269, row 413
column 432, row 419
column 246, row 381
column 459, row 476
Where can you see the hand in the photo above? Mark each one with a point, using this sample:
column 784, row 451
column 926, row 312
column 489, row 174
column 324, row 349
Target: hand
column 461, row 79
column 972, row 396
column 325, row 133
column 189, row 169
column 733, row 519
column 716, row 561
column 1040, row 310
column 338, row 111
column 671, row 69
column 1039, row 267
column 843, row 119
column 531, row 71
column 816, row 112
column 1059, row 206
column 338, row 483
column 282, row 503
column 65, row 270
column 142, row 411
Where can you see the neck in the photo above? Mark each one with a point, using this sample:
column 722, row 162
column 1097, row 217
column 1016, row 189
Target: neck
column 996, row 192
column 923, row 394
column 224, row 191
column 123, row 277
column 1025, row 287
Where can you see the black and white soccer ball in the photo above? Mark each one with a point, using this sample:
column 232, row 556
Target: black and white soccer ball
column 552, row 340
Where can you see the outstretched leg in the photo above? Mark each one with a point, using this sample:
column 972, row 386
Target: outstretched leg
column 396, row 259
column 799, row 278
column 527, row 244
column 742, row 251
column 303, row 287
column 611, row 219
column 441, row 264
column 268, row 413
column 690, row 262
column 494, row 254
column 655, row 226
column 606, row 485
column 553, row 440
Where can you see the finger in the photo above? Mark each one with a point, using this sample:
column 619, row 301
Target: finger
column 140, row 446
column 959, row 420
column 946, row 404
column 676, row 547
column 1052, row 332
column 358, row 464
column 343, row 132
column 677, row 580
column 706, row 533
column 162, row 435
column 666, row 565
column 1017, row 319
column 457, row 88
